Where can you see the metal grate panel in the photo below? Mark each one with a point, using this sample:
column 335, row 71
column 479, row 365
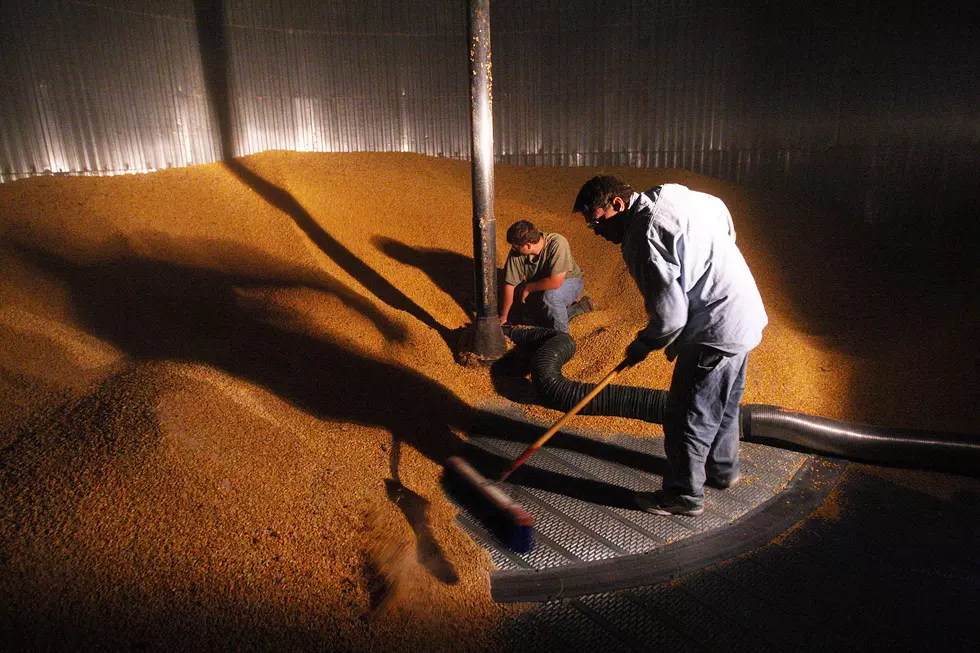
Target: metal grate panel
column 626, row 615
column 580, row 492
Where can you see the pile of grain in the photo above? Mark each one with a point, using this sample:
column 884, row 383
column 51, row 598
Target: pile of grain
column 227, row 389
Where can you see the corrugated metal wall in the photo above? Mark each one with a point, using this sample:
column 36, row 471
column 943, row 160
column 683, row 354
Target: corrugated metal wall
column 100, row 87
column 881, row 105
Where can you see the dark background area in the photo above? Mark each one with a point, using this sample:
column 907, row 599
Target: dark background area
column 867, row 108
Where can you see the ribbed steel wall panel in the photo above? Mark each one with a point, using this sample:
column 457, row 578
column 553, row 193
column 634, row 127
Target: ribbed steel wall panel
column 370, row 79
column 850, row 95
column 101, row 88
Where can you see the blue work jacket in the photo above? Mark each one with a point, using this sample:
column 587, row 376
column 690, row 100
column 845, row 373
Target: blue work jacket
column 679, row 247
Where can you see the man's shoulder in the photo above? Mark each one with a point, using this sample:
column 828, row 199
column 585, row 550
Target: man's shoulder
column 657, row 220
column 554, row 237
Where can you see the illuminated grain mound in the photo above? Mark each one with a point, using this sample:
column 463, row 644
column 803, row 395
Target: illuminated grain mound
column 228, row 390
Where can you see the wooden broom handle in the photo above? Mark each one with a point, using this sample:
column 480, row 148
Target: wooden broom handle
column 574, row 411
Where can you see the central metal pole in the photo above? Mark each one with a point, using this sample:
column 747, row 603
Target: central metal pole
column 488, row 339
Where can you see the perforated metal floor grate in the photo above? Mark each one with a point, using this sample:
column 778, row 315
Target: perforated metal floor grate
column 579, row 489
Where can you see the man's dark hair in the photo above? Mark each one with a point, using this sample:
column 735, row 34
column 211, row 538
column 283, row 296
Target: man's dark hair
column 599, row 192
column 522, row 232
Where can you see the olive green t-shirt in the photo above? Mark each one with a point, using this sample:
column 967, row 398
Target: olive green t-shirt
column 555, row 258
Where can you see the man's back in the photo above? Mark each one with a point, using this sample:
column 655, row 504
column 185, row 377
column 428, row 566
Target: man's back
column 687, row 238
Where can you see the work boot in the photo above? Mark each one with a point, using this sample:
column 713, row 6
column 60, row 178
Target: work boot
column 661, row 503
column 579, row 307
column 723, row 484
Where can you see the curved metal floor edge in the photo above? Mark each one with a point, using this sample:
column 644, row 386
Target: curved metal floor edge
column 803, row 494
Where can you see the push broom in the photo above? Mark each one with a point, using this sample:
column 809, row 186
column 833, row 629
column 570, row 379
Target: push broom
column 510, row 522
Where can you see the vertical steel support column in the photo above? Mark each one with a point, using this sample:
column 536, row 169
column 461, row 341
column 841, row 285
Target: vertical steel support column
column 488, row 339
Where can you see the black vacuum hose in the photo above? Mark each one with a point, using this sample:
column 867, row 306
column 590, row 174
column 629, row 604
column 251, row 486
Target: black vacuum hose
column 760, row 423
column 554, row 349
column 862, row 442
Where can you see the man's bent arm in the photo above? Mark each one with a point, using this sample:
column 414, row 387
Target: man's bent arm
column 667, row 310
column 548, row 283
column 506, row 303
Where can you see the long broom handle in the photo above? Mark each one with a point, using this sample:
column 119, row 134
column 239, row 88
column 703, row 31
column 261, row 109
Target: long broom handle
column 574, row 411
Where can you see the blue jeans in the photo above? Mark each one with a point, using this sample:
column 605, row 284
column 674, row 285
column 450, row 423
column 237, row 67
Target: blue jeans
column 550, row 307
column 701, row 420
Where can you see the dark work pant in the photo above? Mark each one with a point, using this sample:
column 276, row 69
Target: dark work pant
column 701, row 420
column 549, row 308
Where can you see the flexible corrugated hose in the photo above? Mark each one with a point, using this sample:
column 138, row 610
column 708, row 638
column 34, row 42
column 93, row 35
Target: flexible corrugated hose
column 772, row 425
column 554, row 349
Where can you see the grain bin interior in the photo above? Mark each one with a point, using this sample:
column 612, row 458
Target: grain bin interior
column 237, row 245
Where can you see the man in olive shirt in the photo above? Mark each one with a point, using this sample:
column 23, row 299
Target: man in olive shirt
column 552, row 280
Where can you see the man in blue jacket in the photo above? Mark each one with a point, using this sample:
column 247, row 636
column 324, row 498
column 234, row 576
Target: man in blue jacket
column 704, row 309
